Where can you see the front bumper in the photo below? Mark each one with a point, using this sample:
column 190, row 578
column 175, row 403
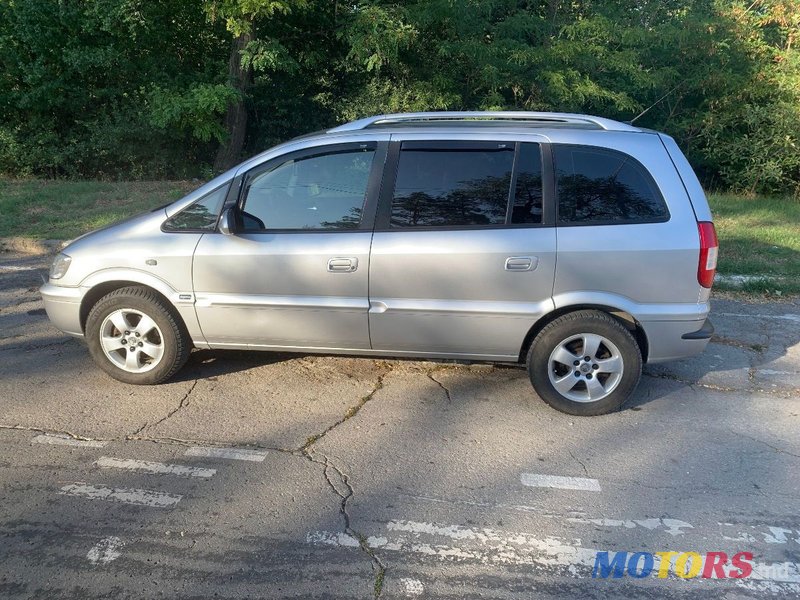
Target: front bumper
column 63, row 306
column 673, row 340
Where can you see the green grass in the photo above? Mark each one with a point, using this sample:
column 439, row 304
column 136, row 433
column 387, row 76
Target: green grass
column 759, row 237
column 44, row 209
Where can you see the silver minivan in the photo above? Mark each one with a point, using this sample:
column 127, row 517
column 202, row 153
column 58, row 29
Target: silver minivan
column 579, row 246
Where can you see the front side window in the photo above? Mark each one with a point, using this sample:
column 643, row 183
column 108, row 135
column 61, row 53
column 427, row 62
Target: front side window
column 201, row 215
column 324, row 191
column 450, row 184
column 597, row 185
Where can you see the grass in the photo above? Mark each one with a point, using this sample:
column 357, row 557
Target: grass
column 42, row 209
column 759, row 237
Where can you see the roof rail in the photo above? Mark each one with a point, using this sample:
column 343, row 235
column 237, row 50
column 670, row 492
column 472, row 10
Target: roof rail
column 511, row 116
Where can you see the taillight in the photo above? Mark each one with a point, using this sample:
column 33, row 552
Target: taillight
column 709, row 248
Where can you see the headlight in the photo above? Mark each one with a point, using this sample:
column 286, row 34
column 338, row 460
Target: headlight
column 60, row 265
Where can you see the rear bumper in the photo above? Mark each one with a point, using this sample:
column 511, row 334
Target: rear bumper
column 673, row 340
column 63, row 306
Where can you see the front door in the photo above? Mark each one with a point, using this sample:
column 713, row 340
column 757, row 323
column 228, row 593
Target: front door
column 295, row 273
column 463, row 255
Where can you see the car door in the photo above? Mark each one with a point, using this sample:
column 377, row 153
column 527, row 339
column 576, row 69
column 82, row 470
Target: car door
column 463, row 255
column 294, row 272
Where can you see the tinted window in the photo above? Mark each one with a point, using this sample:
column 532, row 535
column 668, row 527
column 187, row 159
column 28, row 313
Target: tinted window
column 452, row 184
column 200, row 215
column 528, row 190
column 323, row 191
column 604, row 186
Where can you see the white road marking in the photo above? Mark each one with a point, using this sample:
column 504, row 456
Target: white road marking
column 491, row 546
column 126, row 496
column 65, row 440
column 673, row 527
column 105, row 550
column 227, row 453
column 413, row 587
column 14, row 268
column 775, row 535
column 556, row 481
column 788, row 317
column 107, row 462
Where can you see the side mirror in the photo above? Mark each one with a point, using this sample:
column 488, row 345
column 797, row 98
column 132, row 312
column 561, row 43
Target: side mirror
column 227, row 221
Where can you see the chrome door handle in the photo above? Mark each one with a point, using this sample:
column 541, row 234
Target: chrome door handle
column 342, row 265
column 522, row 263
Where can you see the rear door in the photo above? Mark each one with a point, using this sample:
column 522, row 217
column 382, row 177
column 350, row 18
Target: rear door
column 463, row 255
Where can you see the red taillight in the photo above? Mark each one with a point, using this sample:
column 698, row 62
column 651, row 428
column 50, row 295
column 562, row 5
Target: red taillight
column 709, row 248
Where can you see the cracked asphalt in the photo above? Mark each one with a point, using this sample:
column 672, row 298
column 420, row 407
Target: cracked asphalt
column 258, row 475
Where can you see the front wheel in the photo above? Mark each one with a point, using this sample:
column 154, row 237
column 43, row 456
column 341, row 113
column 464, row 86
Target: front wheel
column 585, row 363
column 136, row 337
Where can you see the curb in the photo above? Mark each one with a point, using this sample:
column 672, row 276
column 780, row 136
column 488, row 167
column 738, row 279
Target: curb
column 742, row 280
column 23, row 245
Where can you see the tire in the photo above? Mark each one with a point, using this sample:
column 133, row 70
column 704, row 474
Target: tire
column 604, row 382
column 156, row 343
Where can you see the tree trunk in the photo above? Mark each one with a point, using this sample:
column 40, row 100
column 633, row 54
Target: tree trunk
column 230, row 151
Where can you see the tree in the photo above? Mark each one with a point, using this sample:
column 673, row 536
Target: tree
column 252, row 47
column 160, row 88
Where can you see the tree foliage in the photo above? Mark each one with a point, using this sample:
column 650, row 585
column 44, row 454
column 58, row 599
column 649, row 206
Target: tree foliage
column 145, row 87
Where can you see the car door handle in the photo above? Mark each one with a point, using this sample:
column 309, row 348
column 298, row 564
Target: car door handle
column 522, row 263
column 342, row 265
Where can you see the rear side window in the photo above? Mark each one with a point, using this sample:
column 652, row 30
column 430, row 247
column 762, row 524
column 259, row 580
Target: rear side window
column 452, row 184
column 602, row 187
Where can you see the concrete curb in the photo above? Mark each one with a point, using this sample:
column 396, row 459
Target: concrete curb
column 23, row 245
column 737, row 281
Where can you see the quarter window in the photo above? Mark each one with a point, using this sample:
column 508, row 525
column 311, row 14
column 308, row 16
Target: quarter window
column 600, row 186
column 201, row 215
column 451, row 184
column 323, row 191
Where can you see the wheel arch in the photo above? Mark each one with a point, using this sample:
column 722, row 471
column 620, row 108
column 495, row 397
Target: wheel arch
column 100, row 290
column 104, row 282
column 625, row 318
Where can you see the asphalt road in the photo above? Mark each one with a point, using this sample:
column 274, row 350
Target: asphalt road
column 256, row 475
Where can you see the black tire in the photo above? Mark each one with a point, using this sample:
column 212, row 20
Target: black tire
column 562, row 329
column 169, row 334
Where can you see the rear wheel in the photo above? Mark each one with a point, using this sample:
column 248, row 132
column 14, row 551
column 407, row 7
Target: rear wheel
column 136, row 337
column 585, row 363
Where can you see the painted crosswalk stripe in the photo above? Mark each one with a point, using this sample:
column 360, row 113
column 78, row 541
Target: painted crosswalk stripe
column 564, row 483
column 108, row 462
column 65, row 440
column 126, row 496
column 105, row 551
column 673, row 527
column 227, row 453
